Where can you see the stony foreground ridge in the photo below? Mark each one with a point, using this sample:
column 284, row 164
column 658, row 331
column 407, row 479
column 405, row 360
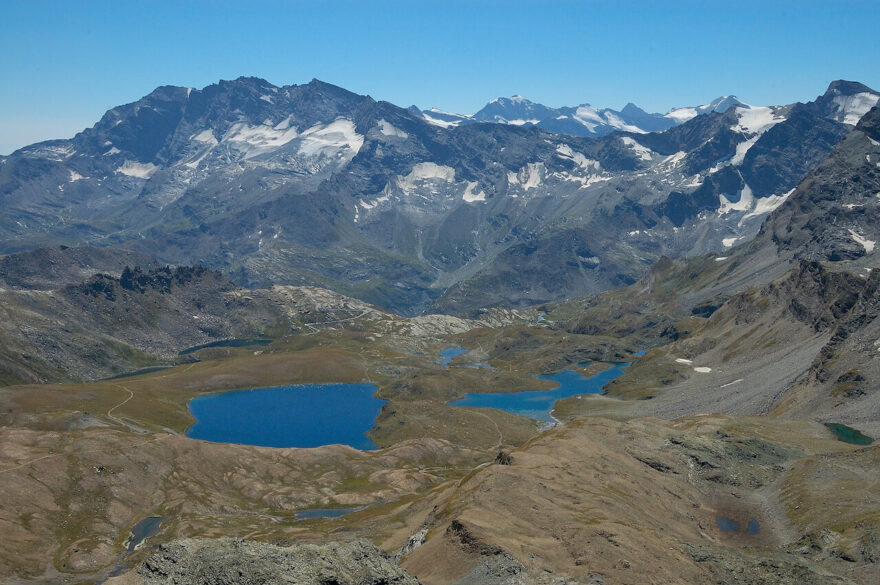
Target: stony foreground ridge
column 228, row 561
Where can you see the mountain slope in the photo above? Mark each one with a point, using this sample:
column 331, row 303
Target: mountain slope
column 794, row 313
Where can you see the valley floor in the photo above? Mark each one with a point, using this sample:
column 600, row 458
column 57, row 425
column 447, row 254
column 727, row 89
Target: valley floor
column 613, row 495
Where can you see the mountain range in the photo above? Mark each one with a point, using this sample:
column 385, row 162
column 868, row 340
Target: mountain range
column 582, row 120
column 315, row 185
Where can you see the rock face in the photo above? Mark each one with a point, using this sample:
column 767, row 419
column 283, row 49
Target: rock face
column 229, row 561
column 834, row 213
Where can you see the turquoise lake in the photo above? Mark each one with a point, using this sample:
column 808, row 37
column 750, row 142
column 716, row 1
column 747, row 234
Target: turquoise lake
column 538, row 404
column 308, row 415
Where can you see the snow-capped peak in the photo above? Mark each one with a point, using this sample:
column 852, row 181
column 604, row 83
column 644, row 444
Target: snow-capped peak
column 720, row 105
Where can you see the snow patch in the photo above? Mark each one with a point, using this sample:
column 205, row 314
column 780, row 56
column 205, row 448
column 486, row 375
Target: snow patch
column 766, row 205
column 867, row 244
column 642, row 152
column 429, row 170
column 721, row 258
column 615, row 121
column 388, row 130
column 590, row 117
column 447, row 113
column 112, row 151
column 530, row 175
column 374, row 202
column 674, row 160
column 75, row 176
column 206, row 137
column 520, row 122
column 851, row 108
column 471, row 197
column 333, row 139
column 756, row 120
column 744, row 204
column 682, row 115
column 741, row 149
column 702, row 369
column 728, row 242
column 587, row 164
column 283, row 124
column 441, row 123
column 253, row 141
column 683, row 361
column 136, row 169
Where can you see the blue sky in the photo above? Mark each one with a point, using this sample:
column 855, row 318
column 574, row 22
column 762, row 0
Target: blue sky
column 63, row 64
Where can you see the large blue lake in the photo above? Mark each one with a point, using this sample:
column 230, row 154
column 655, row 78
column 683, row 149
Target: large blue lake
column 538, row 404
column 309, row 415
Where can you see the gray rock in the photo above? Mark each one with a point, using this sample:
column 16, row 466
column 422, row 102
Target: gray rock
column 228, row 561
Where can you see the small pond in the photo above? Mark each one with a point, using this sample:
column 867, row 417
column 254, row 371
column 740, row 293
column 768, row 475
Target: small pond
column 538, row 404
column 308, row 415
column 849, row 434
column 447, row 355
column 315, row 513
column 726, row 524
column 146, row 528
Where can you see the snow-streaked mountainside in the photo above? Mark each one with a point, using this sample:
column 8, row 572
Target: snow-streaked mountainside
column 313, row 184
column 582, row 120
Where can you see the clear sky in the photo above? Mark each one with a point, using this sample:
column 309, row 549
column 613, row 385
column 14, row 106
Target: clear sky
column 63, row 64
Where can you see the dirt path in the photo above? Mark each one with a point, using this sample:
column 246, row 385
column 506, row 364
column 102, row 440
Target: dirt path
column 491, row 420
column 110, row 412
